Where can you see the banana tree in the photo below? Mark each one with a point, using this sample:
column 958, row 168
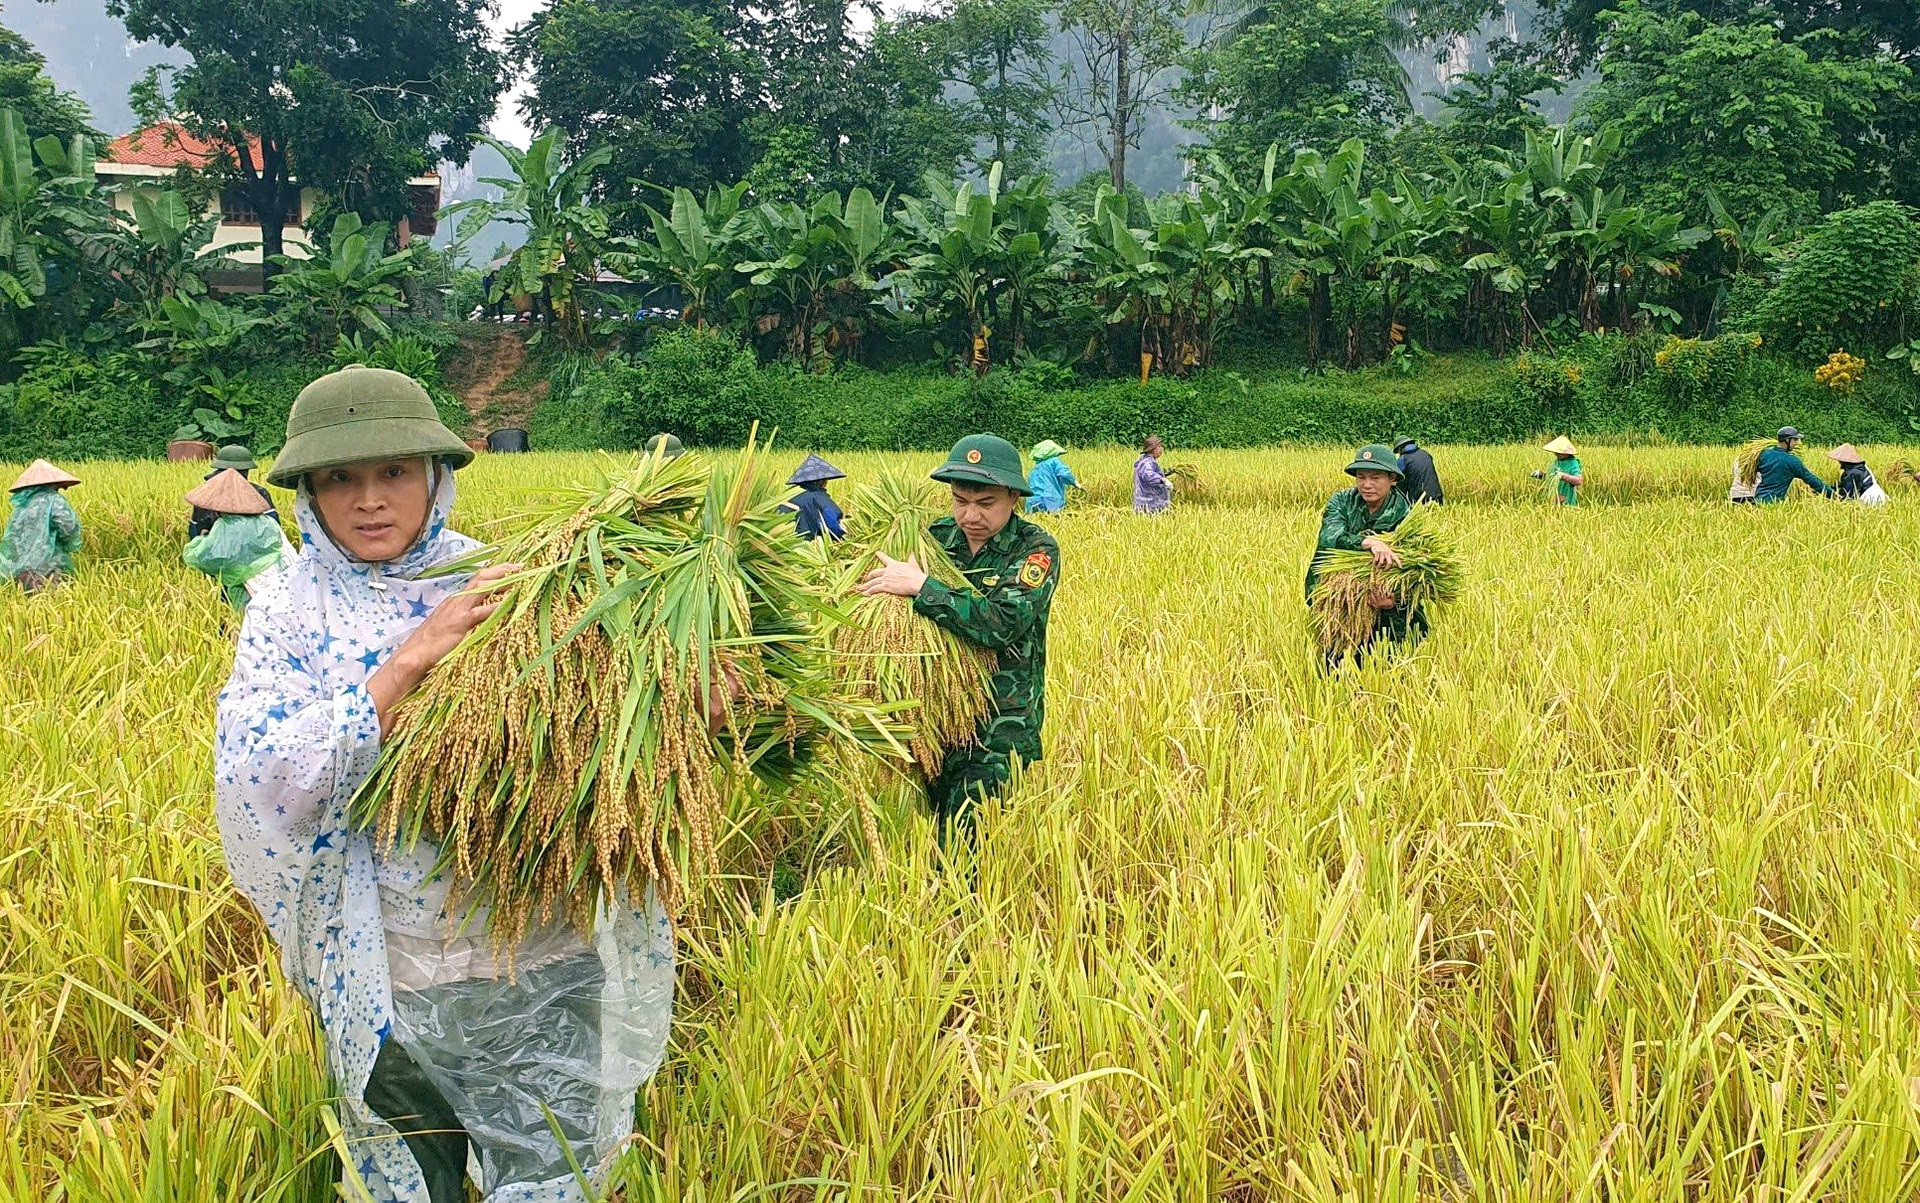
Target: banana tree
column 1037, row 251
column 694, row 246
column 49, row 210
column 346, row 291
column 1506, row 231
column 1409, row 229
column 162, row 249
column 1170, row 282
column 1252, row 215
column 958, row 254
column 818, row 261
column 1334, row 238
column 567, row 237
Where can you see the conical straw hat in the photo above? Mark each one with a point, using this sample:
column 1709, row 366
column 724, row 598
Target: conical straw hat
column 1845, row 454
column 40, row 472
column 1560, row 446
column 228, row 493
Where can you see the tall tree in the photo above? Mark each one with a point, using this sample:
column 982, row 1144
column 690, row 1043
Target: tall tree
column 1126, row 51
column 848, row 110
column 1310, row 75
column 351, row 96
column 668, row 86
column 1000, row 53
column 1740, row 109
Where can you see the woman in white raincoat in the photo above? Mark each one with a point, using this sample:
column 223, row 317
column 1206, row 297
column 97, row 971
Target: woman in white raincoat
column 436, row 1051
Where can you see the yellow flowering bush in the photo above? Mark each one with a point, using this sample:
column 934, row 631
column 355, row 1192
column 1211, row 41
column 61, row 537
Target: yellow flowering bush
column 1841, row 372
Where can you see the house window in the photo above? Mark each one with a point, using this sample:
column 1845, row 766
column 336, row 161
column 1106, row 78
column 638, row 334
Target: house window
column 236, row 208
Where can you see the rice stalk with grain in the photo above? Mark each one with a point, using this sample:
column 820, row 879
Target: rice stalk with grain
column 1428, row 574
column 664, row 635
column 885, row 653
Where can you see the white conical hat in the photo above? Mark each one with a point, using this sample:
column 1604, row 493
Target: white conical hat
column 1561, row 446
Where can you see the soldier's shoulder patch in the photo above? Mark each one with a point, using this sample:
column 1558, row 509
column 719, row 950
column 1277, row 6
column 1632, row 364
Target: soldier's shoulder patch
column 1034, row 569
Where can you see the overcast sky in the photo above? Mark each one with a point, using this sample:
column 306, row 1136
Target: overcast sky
column 507, row 125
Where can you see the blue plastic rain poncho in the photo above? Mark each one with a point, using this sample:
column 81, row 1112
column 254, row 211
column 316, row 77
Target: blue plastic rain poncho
column 374, row 941
column 815, row 513
column 42, row 534
column 1049, row 482
column 241, row 551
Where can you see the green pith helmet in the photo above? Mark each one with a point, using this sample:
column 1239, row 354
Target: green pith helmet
column 234, row 456
column 667, row 445
column 1375, row 457
column 1046, row 449
column 984, row 459
column 359, row 414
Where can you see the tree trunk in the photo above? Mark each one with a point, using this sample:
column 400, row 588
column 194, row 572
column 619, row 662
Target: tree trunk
column 1318, row 304
column 1003, row 54
column 271, row 194
column 1122, row 114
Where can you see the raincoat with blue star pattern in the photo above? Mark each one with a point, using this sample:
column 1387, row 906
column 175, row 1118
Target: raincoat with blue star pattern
column 376, row 941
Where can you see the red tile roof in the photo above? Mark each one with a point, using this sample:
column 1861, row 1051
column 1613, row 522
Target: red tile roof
column 169, row 144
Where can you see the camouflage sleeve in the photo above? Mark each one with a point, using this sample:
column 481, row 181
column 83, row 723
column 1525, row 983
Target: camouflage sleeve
column 1003, row 615
column 1333, row 530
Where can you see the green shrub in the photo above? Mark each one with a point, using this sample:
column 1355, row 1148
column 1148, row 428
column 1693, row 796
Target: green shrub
column 700, row 384
column 1851, row 283
column 70, row 404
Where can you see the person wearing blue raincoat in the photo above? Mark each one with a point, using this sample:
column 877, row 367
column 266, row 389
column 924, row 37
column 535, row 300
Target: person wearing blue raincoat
column 42, row 531
column 1049, row 479
column 815, row 513
column 437, row 1049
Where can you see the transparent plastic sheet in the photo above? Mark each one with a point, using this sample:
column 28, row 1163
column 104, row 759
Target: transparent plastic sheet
column 576, row 1036
column 238, row 547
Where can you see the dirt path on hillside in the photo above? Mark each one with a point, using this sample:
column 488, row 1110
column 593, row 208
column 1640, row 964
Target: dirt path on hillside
column 483, row 373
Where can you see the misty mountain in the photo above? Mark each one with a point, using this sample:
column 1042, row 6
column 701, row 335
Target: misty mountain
column 88, row 53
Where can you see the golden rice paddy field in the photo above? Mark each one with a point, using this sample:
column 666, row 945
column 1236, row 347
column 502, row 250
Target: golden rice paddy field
column 1609, row 892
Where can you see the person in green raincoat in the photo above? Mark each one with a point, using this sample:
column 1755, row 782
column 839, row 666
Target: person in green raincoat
column 1354, row 520
column 243, row 547
column 1012, row 567
column 43, row 532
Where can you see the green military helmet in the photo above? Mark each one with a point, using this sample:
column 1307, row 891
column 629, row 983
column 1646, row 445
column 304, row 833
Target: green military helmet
column 984, row 459
column 359, row 414
column 667, row 445
column 1375, row 457
column 234, row 456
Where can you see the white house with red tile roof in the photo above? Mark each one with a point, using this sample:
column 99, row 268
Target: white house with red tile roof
column 150, row 157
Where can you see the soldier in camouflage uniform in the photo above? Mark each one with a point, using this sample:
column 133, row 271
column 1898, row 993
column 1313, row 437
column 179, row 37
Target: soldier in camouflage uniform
column 1012, row 566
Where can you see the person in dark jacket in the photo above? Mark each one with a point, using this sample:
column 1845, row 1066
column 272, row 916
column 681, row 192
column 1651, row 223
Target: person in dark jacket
column 239, row 459
column 815, row 513
column 1417, row 478
column 1780, row 467
column 1856, row 479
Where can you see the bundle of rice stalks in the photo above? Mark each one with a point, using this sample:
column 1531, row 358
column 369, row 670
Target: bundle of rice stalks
column 886, row 654
column 1428, row 574
column 1192, row 488
column 1747, row 459
column 664, row 634
column 1898, row 472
